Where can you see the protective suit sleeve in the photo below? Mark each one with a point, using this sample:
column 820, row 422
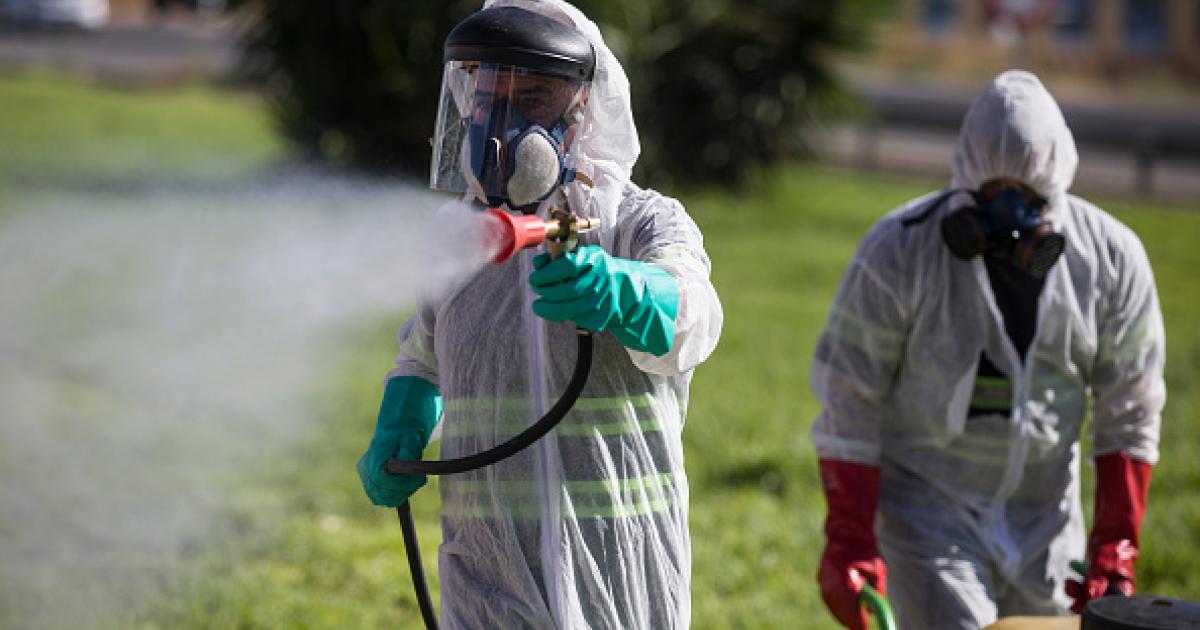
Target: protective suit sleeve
column 657, row 230
column 410, row 409
column 417, row 355
column 1122, row 486
column 857, row 357
column 1127, row 377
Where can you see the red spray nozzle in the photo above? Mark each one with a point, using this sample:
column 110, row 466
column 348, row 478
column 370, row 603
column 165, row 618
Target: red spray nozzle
column 508, row 234
column 514, row 233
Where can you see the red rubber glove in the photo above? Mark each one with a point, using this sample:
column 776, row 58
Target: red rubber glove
column 851, row 558
column 1121, row 487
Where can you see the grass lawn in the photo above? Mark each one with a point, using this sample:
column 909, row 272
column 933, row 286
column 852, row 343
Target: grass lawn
column 304, row 549
column 57, row 131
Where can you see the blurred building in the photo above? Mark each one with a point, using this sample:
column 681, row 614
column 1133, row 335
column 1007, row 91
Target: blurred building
column 138, row 11
column 1111, row 37
column 1126, row 74
column 94, row 14
column 71, row 13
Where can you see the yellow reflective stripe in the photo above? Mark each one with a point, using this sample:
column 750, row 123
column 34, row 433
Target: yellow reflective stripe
column 531, row 512
column 519, row 497
column 991, row 404
column 640, row 508
column 645, row 495
column 645, row 482
column 509, row 487
column 616, row 402
column 566, row 429
column 622, row 427
column 572, row 426
column 993, row 393
column 883, row 343
column 992, row 381
column 520, row 403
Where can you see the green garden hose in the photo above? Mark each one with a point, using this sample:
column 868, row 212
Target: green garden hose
column 879, row 607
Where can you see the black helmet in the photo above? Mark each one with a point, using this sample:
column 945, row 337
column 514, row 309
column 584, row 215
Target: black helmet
column 516, row 37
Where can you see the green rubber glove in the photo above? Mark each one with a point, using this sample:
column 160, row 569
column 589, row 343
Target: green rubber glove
column 411, row 408
column 635, row 301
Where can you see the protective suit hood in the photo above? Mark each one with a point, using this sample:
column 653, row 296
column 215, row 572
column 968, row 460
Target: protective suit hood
column 606, row 145
column 1015, row 129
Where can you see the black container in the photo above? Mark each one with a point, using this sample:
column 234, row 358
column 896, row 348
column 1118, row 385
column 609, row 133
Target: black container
column 1141, row 612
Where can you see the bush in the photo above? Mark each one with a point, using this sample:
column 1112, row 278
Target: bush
column 719, row 86
column 354, row 81
column 723, row 86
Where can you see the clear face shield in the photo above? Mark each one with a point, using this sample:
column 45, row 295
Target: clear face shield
column 503, row 131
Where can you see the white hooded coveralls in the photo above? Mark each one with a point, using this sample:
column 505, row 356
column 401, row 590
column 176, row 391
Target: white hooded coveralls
column 587, row 528
column 979, row 516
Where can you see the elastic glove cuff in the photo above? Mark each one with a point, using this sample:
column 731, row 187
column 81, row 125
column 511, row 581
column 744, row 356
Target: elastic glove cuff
column 852, row 494
column 647, row 318
column 410, row 403
column 635, row 301
column 1122, row 486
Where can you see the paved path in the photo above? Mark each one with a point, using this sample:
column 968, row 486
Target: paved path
column 926, row 152
column 1126, row 149
column 165, row 51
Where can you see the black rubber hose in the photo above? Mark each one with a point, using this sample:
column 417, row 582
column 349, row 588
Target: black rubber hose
column 424, row 601
column 394, row 466
column 583, row 364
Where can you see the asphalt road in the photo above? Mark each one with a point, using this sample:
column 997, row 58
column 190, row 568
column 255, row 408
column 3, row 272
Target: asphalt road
column 178, row 49
column 926, row 152
column 1139, row 151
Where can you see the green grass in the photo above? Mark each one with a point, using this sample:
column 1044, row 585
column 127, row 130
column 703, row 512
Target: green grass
column 55, row 132
column 309, row 552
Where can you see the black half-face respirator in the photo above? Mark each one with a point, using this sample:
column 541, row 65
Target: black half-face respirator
column 1007, row 226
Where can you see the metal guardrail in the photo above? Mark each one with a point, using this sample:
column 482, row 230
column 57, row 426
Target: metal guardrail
column 1174, row 132
column 1149, row 136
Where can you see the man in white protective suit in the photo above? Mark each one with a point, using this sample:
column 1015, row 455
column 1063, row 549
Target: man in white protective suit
column 953, row 374
column 587, row 528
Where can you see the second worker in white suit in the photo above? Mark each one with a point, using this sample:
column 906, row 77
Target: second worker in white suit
column 954, row 372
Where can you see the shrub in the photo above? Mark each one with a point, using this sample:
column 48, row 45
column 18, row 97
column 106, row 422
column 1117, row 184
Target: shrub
column 719, row 86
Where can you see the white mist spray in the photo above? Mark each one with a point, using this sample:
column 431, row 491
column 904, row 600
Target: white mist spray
column 154, row 345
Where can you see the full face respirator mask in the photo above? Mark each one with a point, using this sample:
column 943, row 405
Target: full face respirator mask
column 513, row 88
column 1007, row 226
